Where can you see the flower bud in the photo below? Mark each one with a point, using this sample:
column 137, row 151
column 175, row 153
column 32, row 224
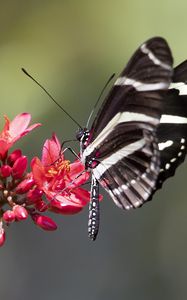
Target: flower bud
column 34, row 195
column 9, row 216
column 25, row 186
column 5, row 171
column 19, row 167
column 44, row 222
column 20, row 212
column 14, row 156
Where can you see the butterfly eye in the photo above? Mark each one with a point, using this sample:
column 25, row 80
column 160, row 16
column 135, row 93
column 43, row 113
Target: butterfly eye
column 82, row 135
column 79, row 134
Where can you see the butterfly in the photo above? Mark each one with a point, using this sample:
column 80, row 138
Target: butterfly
column 139, row 135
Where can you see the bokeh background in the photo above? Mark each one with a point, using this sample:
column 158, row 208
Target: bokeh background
column 72, row 47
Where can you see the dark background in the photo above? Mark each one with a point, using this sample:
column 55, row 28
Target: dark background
column 72, row 47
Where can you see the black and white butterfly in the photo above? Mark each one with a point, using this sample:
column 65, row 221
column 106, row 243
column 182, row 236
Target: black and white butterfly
column 139, row 135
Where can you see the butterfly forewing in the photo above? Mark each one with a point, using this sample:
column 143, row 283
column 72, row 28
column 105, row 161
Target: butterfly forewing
column 139, row 87
column 132, row 178
column 123, row 138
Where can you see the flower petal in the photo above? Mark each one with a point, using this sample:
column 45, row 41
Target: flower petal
column 30, row 128
column 19, row 124
column 6, row 126
column 80, row 195
column 77, row 196
column 4, row 147
column 51, row 151
column 38, row 171
column 64, row 208
column 77, row 168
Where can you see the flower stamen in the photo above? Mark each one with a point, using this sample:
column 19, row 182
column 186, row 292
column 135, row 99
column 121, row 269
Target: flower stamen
column 59, row 166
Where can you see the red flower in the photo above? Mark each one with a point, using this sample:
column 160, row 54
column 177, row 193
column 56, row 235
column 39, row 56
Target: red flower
column 59, row 180
column 15, row 182
column 22, row 192
column 14, row 130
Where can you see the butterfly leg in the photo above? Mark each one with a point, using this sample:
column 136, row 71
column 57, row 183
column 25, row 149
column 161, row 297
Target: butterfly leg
column 93, row 222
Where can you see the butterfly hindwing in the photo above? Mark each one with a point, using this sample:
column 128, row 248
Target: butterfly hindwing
column 172, row 131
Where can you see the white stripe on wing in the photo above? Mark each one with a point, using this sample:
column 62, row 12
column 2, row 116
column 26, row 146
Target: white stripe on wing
column 117, row 119
column 154, row 59
column 180, row 86
column 117, row 156
column 173, row 119
column 140, row 86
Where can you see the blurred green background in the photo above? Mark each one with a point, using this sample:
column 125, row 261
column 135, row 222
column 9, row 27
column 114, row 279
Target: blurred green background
column 72, row 47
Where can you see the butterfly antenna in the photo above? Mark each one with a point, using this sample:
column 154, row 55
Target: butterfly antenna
column 100, row 95
column 50, row 96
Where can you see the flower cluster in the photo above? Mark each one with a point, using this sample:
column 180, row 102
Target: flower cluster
column 52, row 185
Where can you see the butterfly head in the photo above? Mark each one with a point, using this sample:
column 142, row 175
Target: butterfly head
column 82, row 135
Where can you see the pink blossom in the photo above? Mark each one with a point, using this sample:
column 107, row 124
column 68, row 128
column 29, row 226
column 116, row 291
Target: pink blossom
column 53, row 185
column 60, row 180
column 14, row 130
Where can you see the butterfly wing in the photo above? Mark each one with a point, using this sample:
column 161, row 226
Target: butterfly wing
column 140, row 86
column 123, row 136
column 130, row 173
column 172, row 130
